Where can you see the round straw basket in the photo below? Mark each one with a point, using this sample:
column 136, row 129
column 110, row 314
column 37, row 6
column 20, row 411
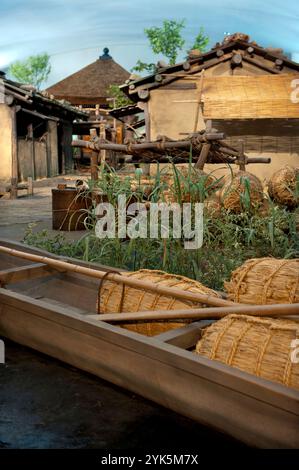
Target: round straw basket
column 260, row 346
column 197, row 179
column 265, row 281
column 282, row 186
column 116, row 298
column 233, row 193
column 212, row 206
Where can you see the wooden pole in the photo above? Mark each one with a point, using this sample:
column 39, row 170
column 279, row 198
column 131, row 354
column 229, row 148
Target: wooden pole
column 121, row 279
column 14, row 155
column 31, row 137
column 103, row 138
column 94, row 157
column 198, row 105
column 144, row 146
column 203, row 156
column 201, row 313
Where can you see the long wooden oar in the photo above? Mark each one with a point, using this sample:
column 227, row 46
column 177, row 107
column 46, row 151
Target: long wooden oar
column 200, row 313
column 121, row 279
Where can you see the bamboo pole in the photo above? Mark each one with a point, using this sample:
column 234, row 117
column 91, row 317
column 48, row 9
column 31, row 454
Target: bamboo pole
column 201, row 313
column 122, row 279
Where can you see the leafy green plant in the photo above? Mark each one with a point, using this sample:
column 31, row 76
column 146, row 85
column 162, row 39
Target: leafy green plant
column 35, row 70
column 229, row 239
column 168, row 41
column 201, row 41
column 119, row 99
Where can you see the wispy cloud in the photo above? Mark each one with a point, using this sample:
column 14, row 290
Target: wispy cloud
column 75, row 31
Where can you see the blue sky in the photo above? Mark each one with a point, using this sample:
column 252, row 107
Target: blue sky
column 74, row 32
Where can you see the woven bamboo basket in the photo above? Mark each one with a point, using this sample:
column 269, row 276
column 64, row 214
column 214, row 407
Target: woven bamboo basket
column 116, row 298
column 265, row 281
column 234, row 190
column 259, row 346
column 282, row 186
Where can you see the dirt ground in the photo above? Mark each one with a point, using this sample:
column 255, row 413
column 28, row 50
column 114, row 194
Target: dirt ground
column 15, row 215
column 47, row 404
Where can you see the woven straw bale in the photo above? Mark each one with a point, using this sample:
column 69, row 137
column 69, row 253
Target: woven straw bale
column 259, row 346
column 265, row 281
column 117, row 298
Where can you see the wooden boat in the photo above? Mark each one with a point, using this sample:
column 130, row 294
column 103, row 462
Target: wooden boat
column 54, row 312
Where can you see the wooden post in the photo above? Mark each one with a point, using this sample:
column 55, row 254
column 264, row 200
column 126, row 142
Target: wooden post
column 203, row 156
column 30, row 136
column 93, row 158
column 14, row 154
column 30, row 186
column 198, row 102
column 242, row 158
column 67, row 154
column 103, row 153
column 144, row 105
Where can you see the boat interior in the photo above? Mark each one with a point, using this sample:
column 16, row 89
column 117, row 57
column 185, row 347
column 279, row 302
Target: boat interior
column 75, row 292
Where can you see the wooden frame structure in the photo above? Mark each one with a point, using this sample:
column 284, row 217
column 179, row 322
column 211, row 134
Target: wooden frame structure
column 35, row 312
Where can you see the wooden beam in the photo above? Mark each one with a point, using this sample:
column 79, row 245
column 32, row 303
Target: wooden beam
column 24, row 273
column 260, row 65
column 203, row 156
column 185, row 337
column 40, row 115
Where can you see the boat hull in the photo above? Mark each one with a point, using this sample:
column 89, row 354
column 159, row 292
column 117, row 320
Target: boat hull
column 253, row 410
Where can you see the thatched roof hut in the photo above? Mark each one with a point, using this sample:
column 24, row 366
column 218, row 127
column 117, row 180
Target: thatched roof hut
column 89, row 86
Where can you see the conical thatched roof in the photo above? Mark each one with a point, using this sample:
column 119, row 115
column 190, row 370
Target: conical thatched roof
column 90, row 84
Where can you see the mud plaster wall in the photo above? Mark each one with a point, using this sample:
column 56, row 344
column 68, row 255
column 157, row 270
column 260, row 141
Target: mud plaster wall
column 5, row 143
column 172, row 113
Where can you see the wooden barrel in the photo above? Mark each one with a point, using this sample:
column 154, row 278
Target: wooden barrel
column 259, row 346
column 69, row 209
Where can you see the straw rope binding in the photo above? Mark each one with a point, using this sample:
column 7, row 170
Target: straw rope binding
column 265, row 281
column 259, row 346
column 117, row 298
column 241, row 192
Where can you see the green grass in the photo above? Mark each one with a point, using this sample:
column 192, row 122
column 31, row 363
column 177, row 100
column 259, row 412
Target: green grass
column 229, row 239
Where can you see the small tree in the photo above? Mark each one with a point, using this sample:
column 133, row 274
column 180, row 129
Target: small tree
column 34, row 70
column 144, row 67
column 120, row 99
column 166, row 40
column 201, row 41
